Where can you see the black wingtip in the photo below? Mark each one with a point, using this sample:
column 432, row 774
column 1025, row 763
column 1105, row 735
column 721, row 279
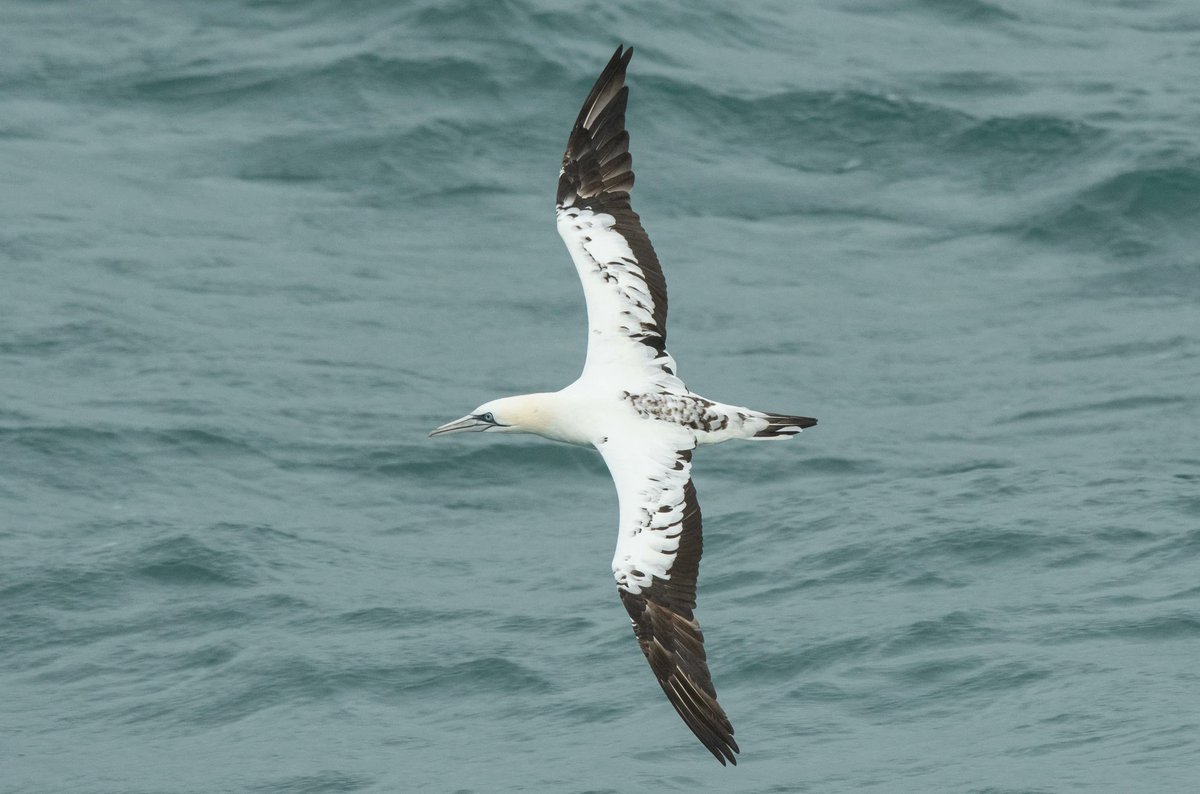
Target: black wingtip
column 724, row 752
column 613, row 72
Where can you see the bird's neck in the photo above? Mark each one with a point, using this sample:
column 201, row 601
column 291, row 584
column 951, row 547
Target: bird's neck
column 559, row 416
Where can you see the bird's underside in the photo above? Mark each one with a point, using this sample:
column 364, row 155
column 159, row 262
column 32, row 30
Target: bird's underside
column 660, row 541
column 631, row 405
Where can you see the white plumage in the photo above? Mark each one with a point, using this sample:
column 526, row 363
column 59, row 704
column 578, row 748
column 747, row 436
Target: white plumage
column 631, row 406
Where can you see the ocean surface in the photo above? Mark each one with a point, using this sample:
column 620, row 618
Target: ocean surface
column 252, row 252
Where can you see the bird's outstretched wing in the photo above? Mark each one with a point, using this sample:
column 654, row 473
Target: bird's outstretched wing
column 622, row 280
column 656, row 564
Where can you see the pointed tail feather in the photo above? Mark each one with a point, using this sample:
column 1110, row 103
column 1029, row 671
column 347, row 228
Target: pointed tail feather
column 783, row 426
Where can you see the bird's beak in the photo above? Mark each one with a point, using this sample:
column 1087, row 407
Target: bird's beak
column 467, row 423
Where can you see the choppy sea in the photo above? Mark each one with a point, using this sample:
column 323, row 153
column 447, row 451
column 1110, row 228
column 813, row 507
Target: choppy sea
column 252, row 252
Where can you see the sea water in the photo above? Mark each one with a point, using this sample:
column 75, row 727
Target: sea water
column 252, row 252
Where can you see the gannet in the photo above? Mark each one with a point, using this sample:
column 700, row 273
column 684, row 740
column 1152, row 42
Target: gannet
column 630, row 404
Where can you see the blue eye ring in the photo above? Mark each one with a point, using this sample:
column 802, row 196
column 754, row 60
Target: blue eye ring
column 488, row 417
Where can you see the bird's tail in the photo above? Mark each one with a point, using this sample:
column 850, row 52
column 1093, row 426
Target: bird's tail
column 783, row 426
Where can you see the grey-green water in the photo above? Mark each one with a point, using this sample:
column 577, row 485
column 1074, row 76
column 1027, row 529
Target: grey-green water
column 251, row 252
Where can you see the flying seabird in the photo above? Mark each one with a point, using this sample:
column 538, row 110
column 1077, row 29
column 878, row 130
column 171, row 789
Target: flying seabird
column 630, row 404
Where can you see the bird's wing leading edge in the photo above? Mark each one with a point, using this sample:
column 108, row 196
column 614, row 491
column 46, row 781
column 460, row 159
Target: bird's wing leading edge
column 655, row 565
column 622, row 280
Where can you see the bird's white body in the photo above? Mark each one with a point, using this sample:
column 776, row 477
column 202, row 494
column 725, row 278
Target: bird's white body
column 587, row 414
column 630, row 404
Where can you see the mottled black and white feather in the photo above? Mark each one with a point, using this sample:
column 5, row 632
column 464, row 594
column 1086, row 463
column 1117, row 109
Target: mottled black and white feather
column 622, row 281
column 656, row 563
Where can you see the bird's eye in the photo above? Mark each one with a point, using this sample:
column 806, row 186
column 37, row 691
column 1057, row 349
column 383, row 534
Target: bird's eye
column 488, row 417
